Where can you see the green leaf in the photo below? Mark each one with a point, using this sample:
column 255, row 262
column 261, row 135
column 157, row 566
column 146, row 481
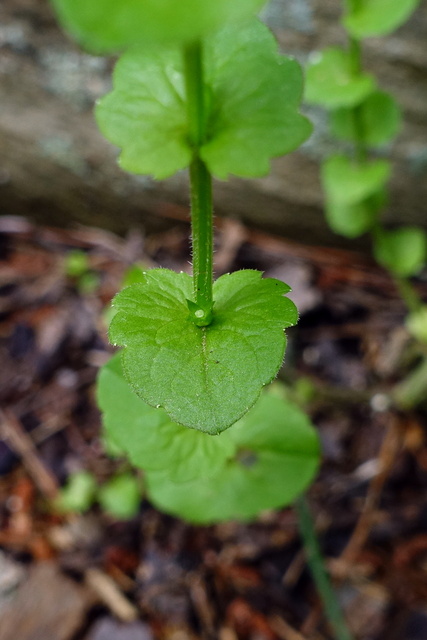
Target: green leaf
column 277, row 456
column 379, row 117
column 377, row 17
column 78, row 494
column 331, row 82
column 120, row 496
column 108, row 25
column 149, row 437
column 347, row 183
column 145, row 115
column 251, row 121
column 76, row 263
column 354, row 193
column 416, row 323
column 402, row 251
column 247, row 124
column 352, row 220
column 349, row 220
column 204, row 377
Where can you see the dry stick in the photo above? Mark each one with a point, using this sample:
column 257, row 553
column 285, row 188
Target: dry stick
column 109, row 593
column 390, row 447
column 21, row 443
column 23, row 446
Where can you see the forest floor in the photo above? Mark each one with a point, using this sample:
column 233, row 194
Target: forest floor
column 90, row 576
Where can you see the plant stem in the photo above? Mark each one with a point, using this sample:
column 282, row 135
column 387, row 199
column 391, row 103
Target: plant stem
column 194, row 87
column 411, row 391
column 317, row 567
column 202, row 234
column 408, row 293
column 200, row 187
column 360, row 149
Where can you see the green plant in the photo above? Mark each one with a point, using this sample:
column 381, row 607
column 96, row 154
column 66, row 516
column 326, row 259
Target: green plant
column 201, row 350
column 212, row 94
column 120, row 496
column 77, row 268
column 366, row 118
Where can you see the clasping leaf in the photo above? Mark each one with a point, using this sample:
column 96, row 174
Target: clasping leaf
column 204, row 377
column 252, row 100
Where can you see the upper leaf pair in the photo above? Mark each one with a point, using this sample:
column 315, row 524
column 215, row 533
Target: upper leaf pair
column 252, row 96
column 333, row 83
column 107, row 26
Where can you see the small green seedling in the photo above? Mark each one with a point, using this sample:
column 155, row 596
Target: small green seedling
column 120, row 496
column 78, row 495
column 77, row 267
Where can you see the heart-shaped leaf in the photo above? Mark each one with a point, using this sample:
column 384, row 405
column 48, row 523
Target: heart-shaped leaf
column 332, row 83
column 148, row 436
column 204, row 377
column 247, row 123
column 377, row 17
column 110, row 25
column 277, row 456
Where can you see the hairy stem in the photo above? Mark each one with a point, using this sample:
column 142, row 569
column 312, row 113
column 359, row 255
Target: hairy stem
column 320, row 576
column 202, row 235
column 200, row 186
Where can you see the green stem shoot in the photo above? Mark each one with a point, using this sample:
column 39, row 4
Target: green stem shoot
column 317, row 567
column 408, row 294
column 201, row 189
column 360, row 149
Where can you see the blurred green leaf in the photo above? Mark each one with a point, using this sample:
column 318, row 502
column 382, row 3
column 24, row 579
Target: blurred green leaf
column 402, row 251
column 106, row 26
column 378, row 116
column 332, row 83
column 348, row 182
column 120, row 496
column 78, row 494
column 367, row 18
column 76, row 263
column 416, row 324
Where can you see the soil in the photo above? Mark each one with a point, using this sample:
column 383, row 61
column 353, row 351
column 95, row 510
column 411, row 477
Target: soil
column 90, row 576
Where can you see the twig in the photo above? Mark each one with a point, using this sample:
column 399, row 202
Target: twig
column 387, row 455
column 107, row 590
column 21, row 443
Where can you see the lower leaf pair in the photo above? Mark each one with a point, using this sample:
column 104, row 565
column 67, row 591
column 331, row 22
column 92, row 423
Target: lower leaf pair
column 263, row 461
